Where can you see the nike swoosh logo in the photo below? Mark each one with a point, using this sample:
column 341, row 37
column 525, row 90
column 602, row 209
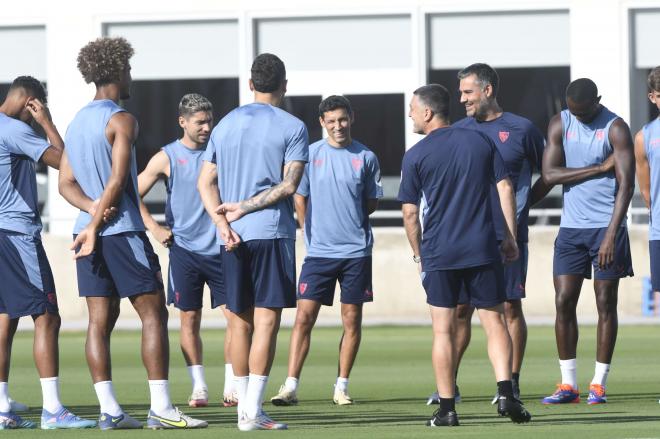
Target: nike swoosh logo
column 115, row 420
column 180, row 423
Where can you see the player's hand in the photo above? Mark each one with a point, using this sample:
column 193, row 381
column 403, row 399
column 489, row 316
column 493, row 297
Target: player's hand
column 230, row 237
column 108, row 214
column 231, row 211
column 84, row 243
column 509, row 250
column 608, row 164
column 606, row 251
column 163, row 235
column 38, row 111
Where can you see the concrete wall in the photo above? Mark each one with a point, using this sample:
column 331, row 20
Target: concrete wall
column 398, row 294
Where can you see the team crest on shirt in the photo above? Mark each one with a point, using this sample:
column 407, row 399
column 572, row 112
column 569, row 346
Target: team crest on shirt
column 571, row 135
column 654, row 143
column 182, row 161
column 504, row 136
column 318, row 162
column 302, row 287
column 357, row 163
column 600, row 134
column 52, row 298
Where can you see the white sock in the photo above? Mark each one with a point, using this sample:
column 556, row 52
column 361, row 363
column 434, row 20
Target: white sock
column 5, row 406
column 107, row 400
column 196, row 373
column 50, row 391
column 569, row 372
column 160, row 396
column 342, row 384
column 241, row 387
column 229, row 379
column 291, row 384
column 600, row 374
column 255, row 395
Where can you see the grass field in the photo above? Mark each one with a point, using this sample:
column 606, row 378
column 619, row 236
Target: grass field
column 390, row 384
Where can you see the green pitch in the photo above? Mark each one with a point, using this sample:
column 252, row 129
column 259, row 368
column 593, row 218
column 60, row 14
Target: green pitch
column 390, row 383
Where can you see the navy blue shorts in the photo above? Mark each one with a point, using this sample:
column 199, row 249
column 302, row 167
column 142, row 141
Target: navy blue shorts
column 654, row 250
column 121, row 265
column 484, row 286
column 515, row 277
column 319, row 276
column 576, row 251
column 260, row 273
column 188, row 273
column 27, row 286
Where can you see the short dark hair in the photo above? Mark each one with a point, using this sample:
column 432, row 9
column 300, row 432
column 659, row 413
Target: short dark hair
column 335, row 102
column 582, row 91
column 268, row 73
column 485, row 75
column 32, row 86
column 104, row 60
column 193, row 103
column 436, row 97
column 654, row 79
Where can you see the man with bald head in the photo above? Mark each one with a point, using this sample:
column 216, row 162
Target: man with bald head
column 589, row 152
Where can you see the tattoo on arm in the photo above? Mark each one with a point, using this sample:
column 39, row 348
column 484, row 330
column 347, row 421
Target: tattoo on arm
column 273, row 195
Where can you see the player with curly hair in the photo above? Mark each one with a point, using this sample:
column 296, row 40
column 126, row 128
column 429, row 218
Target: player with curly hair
column 115, row 259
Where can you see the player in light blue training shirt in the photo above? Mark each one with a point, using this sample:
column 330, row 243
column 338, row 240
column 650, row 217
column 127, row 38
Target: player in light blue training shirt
column 28, row 288
column 254, row 162
column 647, row 155
column 119, row 262
column 191, row 237
column 338, row 192
column 590, row 152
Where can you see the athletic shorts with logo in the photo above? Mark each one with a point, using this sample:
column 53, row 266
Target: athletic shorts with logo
column 121, row 265
column 515, row 277
column 260, row 273
column 576, row 252
column 319, row 276
column 188, row 272
column 27, row 286
column 483, row 285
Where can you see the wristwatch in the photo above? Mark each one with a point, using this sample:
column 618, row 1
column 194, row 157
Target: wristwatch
column 417, row 259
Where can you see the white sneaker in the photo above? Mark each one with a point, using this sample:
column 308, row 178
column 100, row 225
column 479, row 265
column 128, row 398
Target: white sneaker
column 18, row 406
column 261, row 422
column 342, row 398
column 285, row 397
column 174, row 419
column 199, row 398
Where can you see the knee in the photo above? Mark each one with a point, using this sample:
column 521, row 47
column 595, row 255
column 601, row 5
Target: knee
column 565, row 302
column 305, row 321
column 606, row 303
column 52, row 321
column 464, row 312
column 513, row 312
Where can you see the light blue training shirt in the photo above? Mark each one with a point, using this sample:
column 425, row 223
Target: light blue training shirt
column 184, row 211
column 338, row 183
column 651, row 133
column 250, row 146
column 590, row 203
column 90, row 158
column 20, row 149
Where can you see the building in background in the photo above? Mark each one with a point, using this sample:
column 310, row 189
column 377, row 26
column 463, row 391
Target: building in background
column 375, row 52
